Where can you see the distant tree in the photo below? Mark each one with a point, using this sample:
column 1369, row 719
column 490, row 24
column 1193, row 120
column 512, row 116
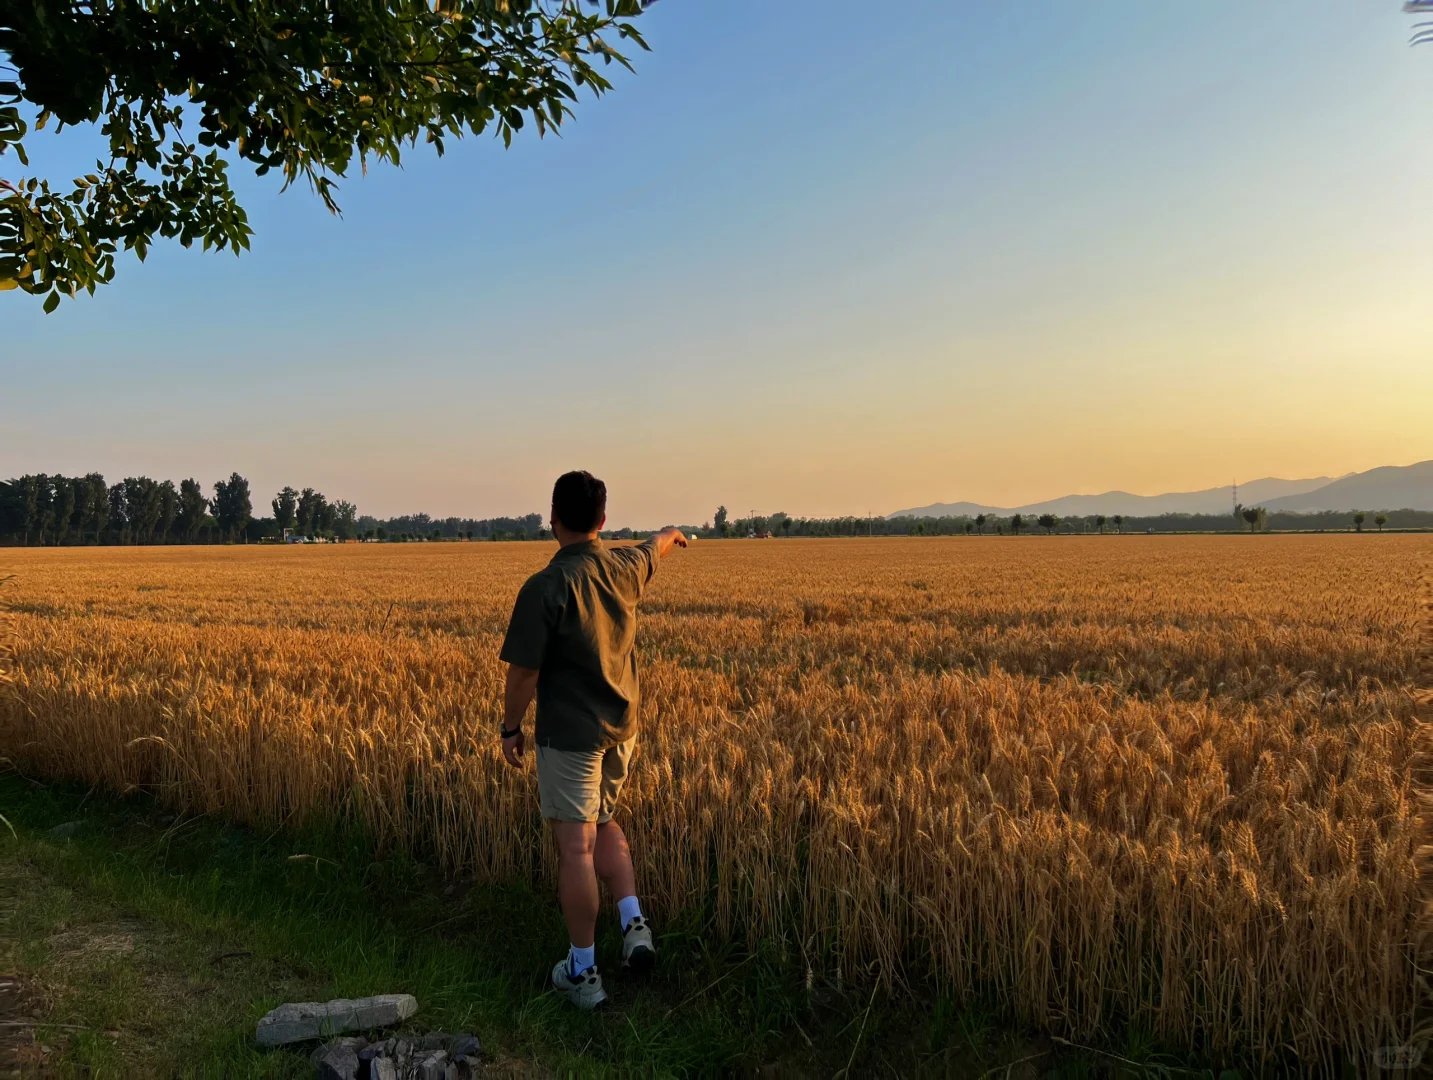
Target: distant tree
column 118, row 512
column 141, row 496
column 29, row 504
column 192, row 508
column 1016, row 524
column 1256, row 516
column 310, row 511
column 83, row 495
column 719, row 521
column 1380, row 520
column 62, row 508
column 168, row 508
column 345, row 520
column 1359, row 517
column 1100, row 520
column 786, row 524
column 285, row 505
column 1048, row 523
column 232, row 508
column 969, row 527
column 19, row 499
column 44, row 504
column 98, row 518
column 381, row 533
column 325, row 518
column 1119, row 520
column 980, row 523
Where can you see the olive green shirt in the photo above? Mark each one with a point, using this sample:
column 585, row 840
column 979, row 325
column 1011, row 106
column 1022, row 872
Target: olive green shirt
column 575, row 623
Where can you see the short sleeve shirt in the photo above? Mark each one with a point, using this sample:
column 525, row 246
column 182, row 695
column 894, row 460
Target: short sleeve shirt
column 575, row 623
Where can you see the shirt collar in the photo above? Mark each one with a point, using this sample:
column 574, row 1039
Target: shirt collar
column 582, row 548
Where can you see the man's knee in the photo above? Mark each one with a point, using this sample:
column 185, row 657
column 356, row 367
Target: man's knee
column 575, row 839
column 610, row 834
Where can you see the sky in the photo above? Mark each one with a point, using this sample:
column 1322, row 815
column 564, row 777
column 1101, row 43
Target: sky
column 815, row 256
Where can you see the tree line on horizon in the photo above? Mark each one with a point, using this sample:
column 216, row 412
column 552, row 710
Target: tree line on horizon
column 53, row 510
column 1254, row 519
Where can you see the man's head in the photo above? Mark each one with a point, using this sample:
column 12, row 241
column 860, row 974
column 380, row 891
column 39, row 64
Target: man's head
column 579, row 503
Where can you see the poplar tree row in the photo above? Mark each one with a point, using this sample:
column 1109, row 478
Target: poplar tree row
column 53, row 509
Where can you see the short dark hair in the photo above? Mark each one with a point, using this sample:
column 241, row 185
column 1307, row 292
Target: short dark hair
column 579, row 501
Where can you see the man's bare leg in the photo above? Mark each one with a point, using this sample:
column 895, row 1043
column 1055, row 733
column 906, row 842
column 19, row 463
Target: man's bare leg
column 577, row 879
column 612, row 860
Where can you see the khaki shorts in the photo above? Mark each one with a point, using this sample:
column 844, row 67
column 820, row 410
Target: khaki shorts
column 582, row 785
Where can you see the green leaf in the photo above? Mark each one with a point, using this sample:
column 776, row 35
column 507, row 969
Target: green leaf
column 52, row 302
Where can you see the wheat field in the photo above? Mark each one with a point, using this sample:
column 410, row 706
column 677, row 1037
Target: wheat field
column 1166, row 781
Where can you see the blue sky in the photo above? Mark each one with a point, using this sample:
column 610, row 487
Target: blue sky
column 823, row 257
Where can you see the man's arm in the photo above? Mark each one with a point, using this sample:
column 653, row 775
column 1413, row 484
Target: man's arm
column 668, row 538
column 521, row 685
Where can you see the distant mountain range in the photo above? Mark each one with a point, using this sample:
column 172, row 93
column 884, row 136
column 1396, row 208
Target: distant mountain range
column 1392, row 487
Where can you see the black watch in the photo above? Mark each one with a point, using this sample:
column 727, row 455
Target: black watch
column 506, row 734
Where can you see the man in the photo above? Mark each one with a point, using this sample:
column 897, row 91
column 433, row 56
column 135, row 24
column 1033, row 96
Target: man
column 571, row 641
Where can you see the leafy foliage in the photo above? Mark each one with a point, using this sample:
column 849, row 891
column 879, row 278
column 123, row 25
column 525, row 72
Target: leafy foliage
column 231, row 505
column 1256, row 516
column 299, row 86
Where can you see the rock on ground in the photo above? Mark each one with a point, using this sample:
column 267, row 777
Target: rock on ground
column 300, row 1021
column 338, row 1060
column 436, row 1056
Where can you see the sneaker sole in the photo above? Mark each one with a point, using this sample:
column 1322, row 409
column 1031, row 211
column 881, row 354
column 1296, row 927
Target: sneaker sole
column 576, row 1003
column 641, row 961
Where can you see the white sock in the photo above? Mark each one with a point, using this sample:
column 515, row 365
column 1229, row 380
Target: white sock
column 627, row 910
column 579, row 960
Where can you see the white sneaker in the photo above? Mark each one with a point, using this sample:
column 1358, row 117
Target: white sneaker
column 638, row 952
column 585, row 990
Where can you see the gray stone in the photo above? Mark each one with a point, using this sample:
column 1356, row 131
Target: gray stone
column 378, row 1049
column 339, row 1062
column 383, row 1068
column 348, row 1042
column 300, row 1021
column 68, row 829
column 434, row 1066
column 465, row 1046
